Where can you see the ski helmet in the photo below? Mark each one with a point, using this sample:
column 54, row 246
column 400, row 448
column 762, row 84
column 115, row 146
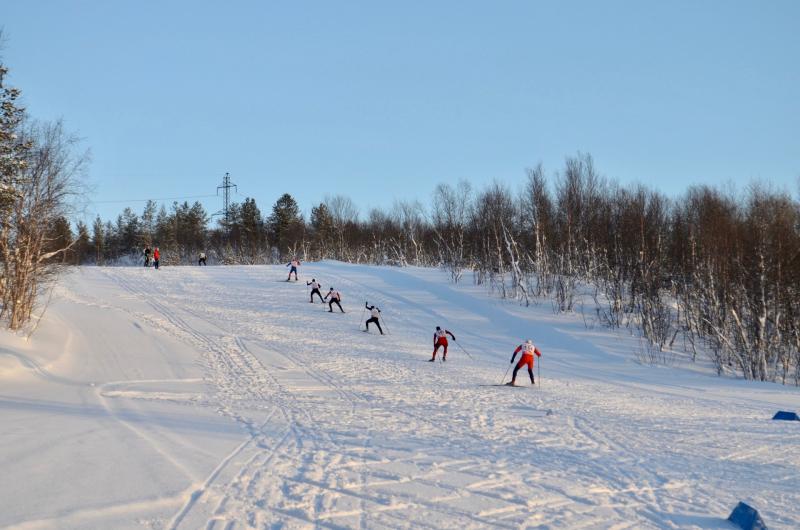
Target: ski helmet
column 438, row 328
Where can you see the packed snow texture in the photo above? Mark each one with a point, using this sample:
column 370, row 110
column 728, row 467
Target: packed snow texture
column 220, row 398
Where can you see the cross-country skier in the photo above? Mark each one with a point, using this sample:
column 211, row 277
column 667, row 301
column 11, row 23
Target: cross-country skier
column 315, row 287
column 156, row 257
column 147, row 256
column 440, row 339
column 293, row 264
column 202, row 259
column 375, row 315
column 336, row 297
column 528, row 349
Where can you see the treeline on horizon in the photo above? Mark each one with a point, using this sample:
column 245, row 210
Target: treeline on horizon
column 710, row 271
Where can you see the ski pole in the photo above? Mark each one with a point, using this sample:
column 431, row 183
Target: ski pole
column 385, row 325
column 465, row 351
column 362, row 315
column 505, row 374
column 539, row 372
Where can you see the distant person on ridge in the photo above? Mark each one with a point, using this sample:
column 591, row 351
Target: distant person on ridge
column 294, row 264
column 528, row 349
column 336, row 297
column 202, row 259
column 156, row 257
column 375, row 315
column 146, row 256
column 440, row 339
column 315, row 287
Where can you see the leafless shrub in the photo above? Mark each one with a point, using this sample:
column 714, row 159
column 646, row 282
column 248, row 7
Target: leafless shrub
column 31, row 254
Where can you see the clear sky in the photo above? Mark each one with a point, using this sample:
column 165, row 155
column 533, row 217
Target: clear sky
column 383, row 100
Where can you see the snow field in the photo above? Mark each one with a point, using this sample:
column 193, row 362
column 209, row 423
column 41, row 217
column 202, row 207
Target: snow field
column 220, row 398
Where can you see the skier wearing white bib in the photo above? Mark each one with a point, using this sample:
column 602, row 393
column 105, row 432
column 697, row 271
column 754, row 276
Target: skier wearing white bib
column 526, row 359
column 440, row 339
column 315, row 287
column 375, row 314
column 336, row 297
column 293, row 264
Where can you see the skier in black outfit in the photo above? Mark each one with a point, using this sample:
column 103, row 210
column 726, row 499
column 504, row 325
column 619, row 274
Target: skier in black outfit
column 375, row 315
column 336, row 297
column 147, row 256
column 315, row 290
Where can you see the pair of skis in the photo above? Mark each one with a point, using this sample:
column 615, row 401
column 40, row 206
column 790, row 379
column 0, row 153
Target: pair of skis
column 508, row 384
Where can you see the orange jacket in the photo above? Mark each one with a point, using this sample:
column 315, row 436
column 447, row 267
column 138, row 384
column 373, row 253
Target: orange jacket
column 520, row 347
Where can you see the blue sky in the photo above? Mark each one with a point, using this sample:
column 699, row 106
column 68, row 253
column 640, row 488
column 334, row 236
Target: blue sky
column 383, row 100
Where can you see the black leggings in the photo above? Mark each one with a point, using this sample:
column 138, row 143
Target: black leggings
column 516, row 369
column 316, row 292
column 335, row 301
column 374, row 320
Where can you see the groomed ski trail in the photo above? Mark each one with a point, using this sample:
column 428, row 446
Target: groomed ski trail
column 441, row 489
column 342, row 429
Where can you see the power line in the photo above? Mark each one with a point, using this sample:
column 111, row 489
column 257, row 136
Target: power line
column 157, row 199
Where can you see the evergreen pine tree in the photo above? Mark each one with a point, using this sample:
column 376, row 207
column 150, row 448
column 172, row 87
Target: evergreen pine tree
column 323, row 226
column 147, row 224
column 165, row 228
column 252, row 228
column 98, row 241
column 82, row 244
column 13, row 149
column 128, row 226
column 285, row 223
column 60, row 237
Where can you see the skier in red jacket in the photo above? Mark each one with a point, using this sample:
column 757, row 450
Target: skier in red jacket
column 528, row 349
column 440, row 339
column 156, row 257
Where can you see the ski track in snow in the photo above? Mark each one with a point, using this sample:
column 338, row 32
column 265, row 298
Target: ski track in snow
column 354, row 430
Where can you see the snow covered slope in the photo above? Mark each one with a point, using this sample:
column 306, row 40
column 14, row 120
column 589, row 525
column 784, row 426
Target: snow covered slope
column 220, row 398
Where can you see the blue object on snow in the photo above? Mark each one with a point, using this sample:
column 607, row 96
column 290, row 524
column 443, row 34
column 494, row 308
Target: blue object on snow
column 746, row 517
column 786, row 415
